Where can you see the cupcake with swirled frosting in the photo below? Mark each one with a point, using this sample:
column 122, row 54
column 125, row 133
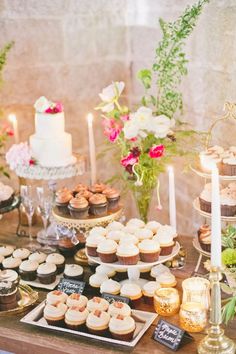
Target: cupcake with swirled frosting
column 84, row 193
column 98, row 188
column 58, row 260
column 107, row 251
column 122, row 327
column 119, row 308
column 46, row 273
column 149, row 290
column 62, row 201
column 98, row 322
column 55, row 314
column 113, row 197
column 98, row 205
column 149, row 250
column 22, row 253
column 128, row 253
column 27, row 270
column 6, row 195
column 97, row 303
column 76, row 300
column 228, row 202
column 55, row 297
column 79, row 188
column 75, row 317
column 92, row 243
column 110, row 286
column 133, row 292
column 11, row 263
column 73, row 271
column 79, row 208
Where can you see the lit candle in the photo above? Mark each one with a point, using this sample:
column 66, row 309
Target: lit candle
column 172, row 203
column 215, row 219
column 92, row 152
column 13, row 120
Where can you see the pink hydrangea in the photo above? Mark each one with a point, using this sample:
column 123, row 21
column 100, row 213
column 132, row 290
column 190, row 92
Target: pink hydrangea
column 156, row 151
column 112, row 129
column 19, row 154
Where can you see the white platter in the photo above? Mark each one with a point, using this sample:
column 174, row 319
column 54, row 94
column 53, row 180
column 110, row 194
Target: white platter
column 196, row 206
column 139, row 265
column 37, row 284
column 208, row 175
column 35, row 318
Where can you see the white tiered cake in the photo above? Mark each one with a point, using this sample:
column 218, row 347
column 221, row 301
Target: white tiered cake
column 51, row 146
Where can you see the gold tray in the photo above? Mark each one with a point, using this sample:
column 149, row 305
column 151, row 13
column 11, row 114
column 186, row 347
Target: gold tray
column 86, row 224
column 28, row 298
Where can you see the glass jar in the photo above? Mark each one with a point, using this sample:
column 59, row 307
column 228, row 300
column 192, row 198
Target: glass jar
column 166, row 301
column 193, row 317
column 196, row 289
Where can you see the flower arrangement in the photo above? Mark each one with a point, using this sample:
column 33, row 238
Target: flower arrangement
column 43, row 105
column 148, row 138
column 20, row 155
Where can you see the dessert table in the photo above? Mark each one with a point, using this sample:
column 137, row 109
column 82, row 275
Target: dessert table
column 19, row 338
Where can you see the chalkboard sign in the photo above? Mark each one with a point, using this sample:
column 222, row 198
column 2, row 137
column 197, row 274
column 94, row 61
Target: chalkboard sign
column 170, row 335
column 69, row 286
column 112, row 298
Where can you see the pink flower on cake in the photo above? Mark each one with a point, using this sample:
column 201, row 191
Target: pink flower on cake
column 19, row 154
column 55, row 108
column 156, row 151
column 112, row 129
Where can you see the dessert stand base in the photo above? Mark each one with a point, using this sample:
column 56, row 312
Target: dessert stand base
column 216, row 343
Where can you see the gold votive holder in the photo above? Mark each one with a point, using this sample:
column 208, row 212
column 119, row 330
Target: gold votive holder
column 196, row 289
column 166, row 301
column 193, row 317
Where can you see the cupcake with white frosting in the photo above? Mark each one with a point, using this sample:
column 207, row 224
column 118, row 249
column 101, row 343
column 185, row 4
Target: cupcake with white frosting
column 119, row 308
column 128, row 253
column 115, row 226
column 46, row 273
column 97, row 303
column 38, row 256
column 205, row 198
column 153, row 226
column 6, row 195
column 133, row 292
column 129, row 238
column 228, row 165
column 92, row 243
column 96, row 280
column 149, row 250
column 55, row 314
column 122, row 327
column 76, row 300
column 56, row 296
column 75, row 318
column 22, row 253
column 167, row 280
column 143, row 234
column 28, row 269
column 106, row 251
column 110, row 286
column 115, row 235
column 165, row 237
column 149, row 290
column 98, row 230
column 138, row 223
column 73, row 271
column 58, row 260
column 98, row 322
column 228, row 202
column 105, row 269
column 11, row 263
column 6, row 251
column 130, row 229
column 158, row 270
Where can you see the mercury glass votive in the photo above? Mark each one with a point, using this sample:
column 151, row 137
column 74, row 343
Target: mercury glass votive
column 196, row 289
column 193, row 317
column 166, row 301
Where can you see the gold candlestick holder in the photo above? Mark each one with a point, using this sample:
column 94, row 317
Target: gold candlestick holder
column 215, row 341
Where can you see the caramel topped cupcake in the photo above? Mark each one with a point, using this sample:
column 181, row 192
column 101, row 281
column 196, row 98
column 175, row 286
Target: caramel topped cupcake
column 98, row 204
column 98, row 188
column 62, row 201
column 113, row 197
column 79, row 188
column 79, row 207
column 62, row 190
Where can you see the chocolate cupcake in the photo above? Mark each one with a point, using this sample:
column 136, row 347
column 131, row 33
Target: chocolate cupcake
column 67, row 247
column 78, row 208
column 73, row 271
column 122, row 327
column 6, row 251
column 27, row 270
column 8, row 295
column 11, row 263
column 92, row 243
column 106, row 251
column 98, row 205
column 98, row 188
column 58, row 260
column 79, row 188
column 55, row 314
column 62, row 201
column 205, row 198
column 113, row 197
column 228, row 166
column 22, row 253
column 205, row 241
column 38, row 256
column 98, row 322
column 85, row 194
column 46, row 273
column 6, row 195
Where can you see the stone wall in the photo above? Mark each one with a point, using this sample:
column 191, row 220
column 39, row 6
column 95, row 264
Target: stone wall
column 70, row 49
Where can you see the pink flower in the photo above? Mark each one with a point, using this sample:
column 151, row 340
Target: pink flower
column 55, row 108
column 124, row 118
column 9, row 131
column 130, row 159
column 32, row 162
column 112, row 129
column 156, row 151
column 19, row 154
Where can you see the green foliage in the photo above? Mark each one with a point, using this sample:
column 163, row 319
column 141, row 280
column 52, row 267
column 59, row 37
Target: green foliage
column 3, row 56
column 229, row 237
column 170, row 64
column 228, row 310
column 229, row 257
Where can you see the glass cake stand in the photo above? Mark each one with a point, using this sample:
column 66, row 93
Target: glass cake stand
column 134, row 270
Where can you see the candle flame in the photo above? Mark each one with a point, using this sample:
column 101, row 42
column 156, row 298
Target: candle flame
column 12, row 118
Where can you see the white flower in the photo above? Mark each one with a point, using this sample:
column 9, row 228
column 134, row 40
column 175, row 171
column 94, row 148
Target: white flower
column 130, row 129
column 42, row 104
column 110, row 94
column 18, row 154
column 161, row 126
column 143, row 118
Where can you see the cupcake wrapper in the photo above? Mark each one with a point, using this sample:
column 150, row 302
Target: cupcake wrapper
column 57, row 323
column 78, row 213
column 98, row 210
column 60, row 268
column 204, row 205
column 92, row 251
column 227, row 170
column 9, row 306
column 47, row 279
column 67, row 252
column 113, row 203
column 149, row 257
column 148, row 300
column 228, row 210
column 78, row 277
column 101, row 332
column 28, row 276
column 63, row 208
column 127, row 337
column 136, row 303
column 165, row 251
column 130, row 260
column 205, row 246
column 7, row 202
column 80, row 327
column 107, row 258
column 7, row 299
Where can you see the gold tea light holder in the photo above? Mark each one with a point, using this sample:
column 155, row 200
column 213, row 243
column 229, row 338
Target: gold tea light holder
column 216, row 342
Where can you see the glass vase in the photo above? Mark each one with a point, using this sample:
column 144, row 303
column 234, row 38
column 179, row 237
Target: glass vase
column 143, row 197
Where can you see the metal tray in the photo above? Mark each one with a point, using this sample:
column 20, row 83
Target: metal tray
column 143, row 321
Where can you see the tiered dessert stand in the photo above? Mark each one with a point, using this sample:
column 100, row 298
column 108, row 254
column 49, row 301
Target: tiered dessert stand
column 134, row 270
column 227, row 220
